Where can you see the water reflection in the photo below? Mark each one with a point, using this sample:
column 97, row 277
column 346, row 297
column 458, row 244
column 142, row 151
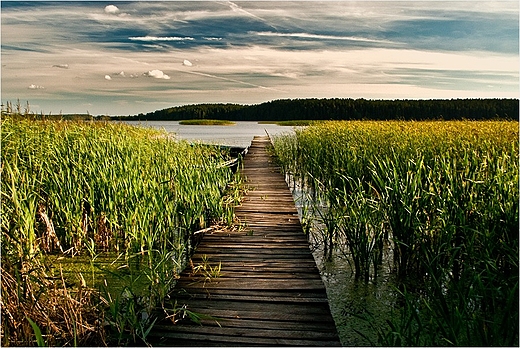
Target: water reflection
column 359, row 309
column 239, row 134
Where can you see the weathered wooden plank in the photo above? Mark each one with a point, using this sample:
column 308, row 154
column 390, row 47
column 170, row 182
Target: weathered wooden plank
column 259, row 264
column 255, row 251
column 238, row 268
column 265, row 208
column 255, row 332
column 261, row 324
column 294, row 310
column 250, row 297
column 257, row 259
column 262, row 247
column 250, row 274
column 269, row 219
column 259, row 283
column 221, row 314
column 201, row 340
column 285, row 295
column 264, row 256
column 273, row 215
column 252, row 239
column 246, row 239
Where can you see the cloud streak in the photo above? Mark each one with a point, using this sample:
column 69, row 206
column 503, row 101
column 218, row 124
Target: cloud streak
column 325, row 37
column 233, row 80
column 61, row 66
column 235, row 8
column 158, row 38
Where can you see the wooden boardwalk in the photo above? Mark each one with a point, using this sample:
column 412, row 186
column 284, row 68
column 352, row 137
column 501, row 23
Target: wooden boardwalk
column 269, row 292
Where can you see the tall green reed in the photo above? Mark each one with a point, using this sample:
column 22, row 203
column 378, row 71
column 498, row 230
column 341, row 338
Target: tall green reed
column 92, row 187
column 447, row 198
column 361, row 227
column 123, row 188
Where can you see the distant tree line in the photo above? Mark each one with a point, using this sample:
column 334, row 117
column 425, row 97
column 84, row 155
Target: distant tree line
column 344, row 109
column 15, row 111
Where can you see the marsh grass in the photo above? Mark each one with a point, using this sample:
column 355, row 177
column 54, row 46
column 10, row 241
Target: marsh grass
column 291, row 123
column 206, row 122
column 443, row 196
column 91, row 189
column 59, row 314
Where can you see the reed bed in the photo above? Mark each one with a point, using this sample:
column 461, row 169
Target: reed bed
column 85, row 189
column 443, row 196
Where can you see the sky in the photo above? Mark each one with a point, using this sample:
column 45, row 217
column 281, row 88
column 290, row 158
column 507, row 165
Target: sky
column 125, row 58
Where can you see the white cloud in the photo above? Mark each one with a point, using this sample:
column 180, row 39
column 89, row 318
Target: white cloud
column 111, row 9
column 33, row 86
column 61, row 66
column 158, row 74
column 160, row 38
column 187, row 63
column 107, row 77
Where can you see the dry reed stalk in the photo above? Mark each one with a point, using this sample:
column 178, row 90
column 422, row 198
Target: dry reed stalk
column 49, row 240
column 65, row 317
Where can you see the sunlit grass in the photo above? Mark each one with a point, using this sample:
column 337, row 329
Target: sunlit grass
column 83, row 189
column 445, row 194
column 206, row 122
column 291, row 123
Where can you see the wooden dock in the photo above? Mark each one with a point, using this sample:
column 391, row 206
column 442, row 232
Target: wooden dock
column 268, row 291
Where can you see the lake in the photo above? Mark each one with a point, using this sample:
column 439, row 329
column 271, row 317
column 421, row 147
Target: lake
column 239, row 134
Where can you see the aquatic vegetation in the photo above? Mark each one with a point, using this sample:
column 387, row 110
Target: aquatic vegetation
column 82, row 189
column 290, row 123
column 443, row 196
column 206, row 122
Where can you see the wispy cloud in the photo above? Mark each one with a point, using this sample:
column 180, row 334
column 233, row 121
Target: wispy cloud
column 235, row 8
column 212, row 76
column 212, row 38
column 325, row 37
column 61, row 66
column 159, row 38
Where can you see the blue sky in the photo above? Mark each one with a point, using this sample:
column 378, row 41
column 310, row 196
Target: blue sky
column 121, row 58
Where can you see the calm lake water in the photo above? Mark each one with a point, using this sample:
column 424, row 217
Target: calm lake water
column 358, row 308
column 239, row 134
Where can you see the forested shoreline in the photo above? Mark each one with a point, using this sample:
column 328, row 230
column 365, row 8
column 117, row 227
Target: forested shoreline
column 310, row 109
column 343, row 109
